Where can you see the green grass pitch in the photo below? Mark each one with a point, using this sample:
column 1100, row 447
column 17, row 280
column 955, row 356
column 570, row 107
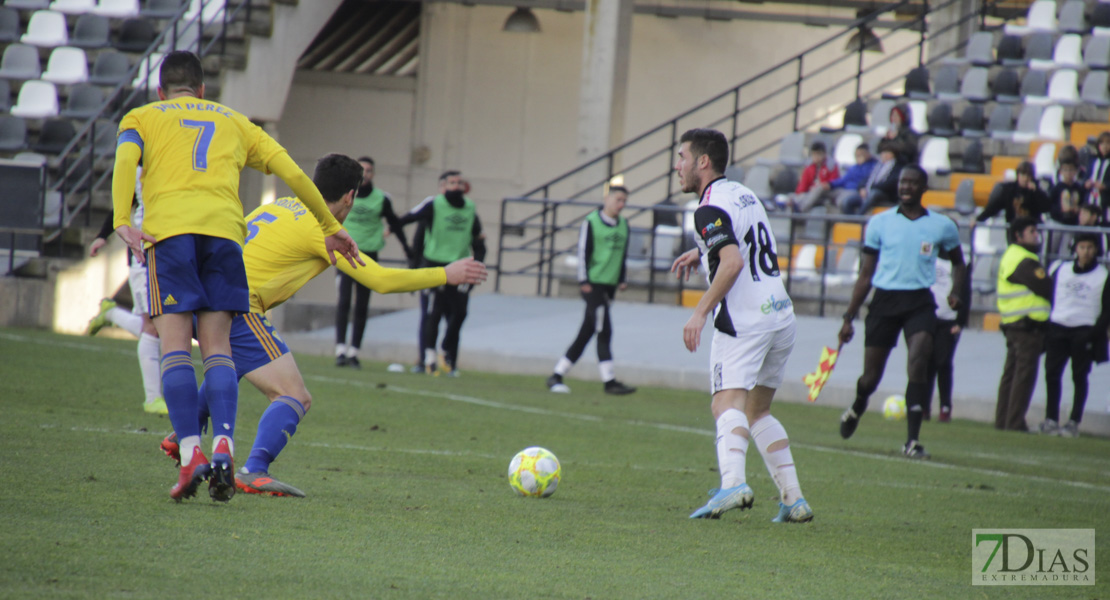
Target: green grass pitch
column 408, row 497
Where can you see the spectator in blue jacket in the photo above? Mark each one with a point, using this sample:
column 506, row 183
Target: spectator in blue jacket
column 855, row 178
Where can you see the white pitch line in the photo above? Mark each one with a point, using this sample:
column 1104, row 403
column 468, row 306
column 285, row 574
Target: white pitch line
column 705, row 432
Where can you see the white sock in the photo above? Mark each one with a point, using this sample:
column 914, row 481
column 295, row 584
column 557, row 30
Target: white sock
column 780, row 463
column 352, row 351
column 126, row 320
column 340, row 349
column 563, row 366
column 150, row 365
column 187, row 445
column 216, row 442
column 732, row 448
column 605, row 367
column 429, row 357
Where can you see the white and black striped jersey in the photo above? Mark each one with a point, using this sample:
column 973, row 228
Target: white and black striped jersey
column 728, row 214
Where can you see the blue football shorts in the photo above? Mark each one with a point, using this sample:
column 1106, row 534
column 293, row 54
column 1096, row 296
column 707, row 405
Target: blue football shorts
column 191, row 272
column 254, row 343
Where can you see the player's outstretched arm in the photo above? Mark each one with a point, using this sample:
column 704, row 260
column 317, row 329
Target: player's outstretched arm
column 465, row 271
column 390, row 281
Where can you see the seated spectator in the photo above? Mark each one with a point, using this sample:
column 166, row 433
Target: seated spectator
column 813, row 186
column 1098, row 175
column 854, row 180
column 1021, row 198
column 1068, row 154
column 1076, row 331
column 881, row 188
column 900, row 133
column 1064, row 199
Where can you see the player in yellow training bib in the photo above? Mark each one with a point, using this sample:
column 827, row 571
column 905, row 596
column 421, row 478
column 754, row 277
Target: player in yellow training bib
column 192, row 151
column 283, row 252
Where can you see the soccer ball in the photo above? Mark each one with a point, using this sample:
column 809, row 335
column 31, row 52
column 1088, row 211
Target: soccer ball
column 894, row 409
column 534, row 472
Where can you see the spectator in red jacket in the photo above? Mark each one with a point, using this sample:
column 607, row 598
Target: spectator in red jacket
column 813, row 186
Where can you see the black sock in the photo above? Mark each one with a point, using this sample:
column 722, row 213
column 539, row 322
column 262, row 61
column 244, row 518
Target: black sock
column 860, row 405
column 915, row 402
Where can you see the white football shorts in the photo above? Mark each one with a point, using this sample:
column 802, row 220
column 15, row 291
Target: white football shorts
column 136, row 277
column 748, row 360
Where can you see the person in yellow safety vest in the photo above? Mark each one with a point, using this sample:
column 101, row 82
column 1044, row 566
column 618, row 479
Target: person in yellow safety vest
column 1024, row 302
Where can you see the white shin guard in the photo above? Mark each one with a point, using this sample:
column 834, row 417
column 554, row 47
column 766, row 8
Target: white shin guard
column 732, row 448
column 780, row 463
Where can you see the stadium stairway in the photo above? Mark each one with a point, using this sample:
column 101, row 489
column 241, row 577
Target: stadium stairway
column 526, row 335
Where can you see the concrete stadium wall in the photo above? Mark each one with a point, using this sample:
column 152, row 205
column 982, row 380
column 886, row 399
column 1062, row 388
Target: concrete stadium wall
column 503, row 107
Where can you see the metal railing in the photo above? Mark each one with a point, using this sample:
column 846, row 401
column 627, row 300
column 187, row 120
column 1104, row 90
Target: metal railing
column 83, row 167
column 755, row 115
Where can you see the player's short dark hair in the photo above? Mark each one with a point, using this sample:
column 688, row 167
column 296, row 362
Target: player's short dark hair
column 335, row 175
column 1019, row 225
column 1088, row 237
column 618, row 188
column 444, row 175
column 366, row 159
column 709, row 142
column 917, row 167
column 181, row 71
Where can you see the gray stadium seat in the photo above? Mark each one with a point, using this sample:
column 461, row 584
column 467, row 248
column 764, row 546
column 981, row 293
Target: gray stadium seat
column 1038, row 49
column 1096, row 54
column 1010, row 51
column 13, row 133
column 758, row 180
column 20, row 62
column 5, row 96
column 880, row 115
column 10, row 29
column 1072, row 17
column 947, row 83
column 1095, row 88
column 54, row 136
column 971, row 121
column 1035, row 83
column 1028, row 123
column 792, row 151
column 105, row 141
column 980, row 49
column 135, row 35
column 84, row 102
column 974, row 87
column 917, row 84
column 965, row 197
column 855, row 117
column 940, row 120
column 1001, row 122
column 1007, row 86
column 27, row 4
column 110, row 68
column 972, row 159
column 90, row 32
column 162, row 9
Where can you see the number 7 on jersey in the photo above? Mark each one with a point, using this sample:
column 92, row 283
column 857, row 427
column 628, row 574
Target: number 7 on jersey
column 206, row 129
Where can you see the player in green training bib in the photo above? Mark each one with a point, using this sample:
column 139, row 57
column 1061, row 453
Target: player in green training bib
column 602, row 249
column 364, row 223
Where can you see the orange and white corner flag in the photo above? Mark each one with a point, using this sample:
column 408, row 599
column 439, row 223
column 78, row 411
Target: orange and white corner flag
column 816, row 380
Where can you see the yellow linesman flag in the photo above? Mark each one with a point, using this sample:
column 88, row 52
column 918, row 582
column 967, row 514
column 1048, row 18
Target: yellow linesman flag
column 816, row 380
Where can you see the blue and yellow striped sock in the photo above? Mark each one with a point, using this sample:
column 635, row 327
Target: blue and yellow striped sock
column 275, row 428
column 221, row 394
column 179, row 388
